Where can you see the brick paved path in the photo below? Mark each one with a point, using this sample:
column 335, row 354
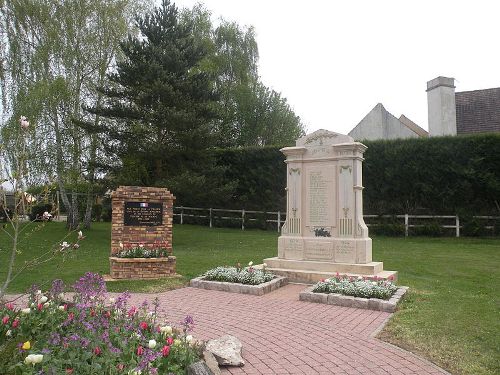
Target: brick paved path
column 282, row 335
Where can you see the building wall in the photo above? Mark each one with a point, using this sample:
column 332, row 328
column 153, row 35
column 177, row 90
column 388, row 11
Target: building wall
column 380, row 124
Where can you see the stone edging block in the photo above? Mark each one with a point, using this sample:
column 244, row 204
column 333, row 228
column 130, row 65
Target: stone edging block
column 356, row 302
column 256, row 290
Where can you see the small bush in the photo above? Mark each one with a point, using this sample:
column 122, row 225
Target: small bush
column 38, row 210
column 432, row 229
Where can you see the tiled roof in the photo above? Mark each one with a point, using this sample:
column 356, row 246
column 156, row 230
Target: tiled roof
column 478, row 111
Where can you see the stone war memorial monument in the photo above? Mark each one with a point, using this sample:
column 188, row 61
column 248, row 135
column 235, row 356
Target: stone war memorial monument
column 324, row 232
column 141, row 220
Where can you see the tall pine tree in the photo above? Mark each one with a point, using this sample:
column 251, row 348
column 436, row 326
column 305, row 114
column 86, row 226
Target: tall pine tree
column 160, row 106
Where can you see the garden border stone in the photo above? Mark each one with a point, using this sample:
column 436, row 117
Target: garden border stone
column 256, row 290
column 356, row 302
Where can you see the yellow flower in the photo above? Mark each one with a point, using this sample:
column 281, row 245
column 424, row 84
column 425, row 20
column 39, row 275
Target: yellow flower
column 26, row 345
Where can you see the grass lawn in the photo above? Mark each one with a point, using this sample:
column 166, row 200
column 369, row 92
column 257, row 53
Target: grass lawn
column 451, row 315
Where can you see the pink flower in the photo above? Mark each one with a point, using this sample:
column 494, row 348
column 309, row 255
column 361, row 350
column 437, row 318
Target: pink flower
column 120, row 366
column 132, row 311
column 5, row 319
column 170, row 341
column 97, row 350
column 39, row 307
column 143, row 325
column 15, row 323
column 391, row 277
column 71, row 316
column 9, row 306
column 140, row 350
column 69, row 371
column 165, row 351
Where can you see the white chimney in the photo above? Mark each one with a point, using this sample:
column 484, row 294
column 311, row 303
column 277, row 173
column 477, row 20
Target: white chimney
column 441, row 107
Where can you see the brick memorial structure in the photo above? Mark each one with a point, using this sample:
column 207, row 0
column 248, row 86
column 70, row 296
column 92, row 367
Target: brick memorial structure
column 142, row 217
column 324, row 232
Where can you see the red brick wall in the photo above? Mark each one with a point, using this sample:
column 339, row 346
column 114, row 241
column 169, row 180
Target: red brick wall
column 140, row 234
column 142, row 268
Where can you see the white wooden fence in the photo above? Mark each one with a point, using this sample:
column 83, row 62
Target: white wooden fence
column 278, row 218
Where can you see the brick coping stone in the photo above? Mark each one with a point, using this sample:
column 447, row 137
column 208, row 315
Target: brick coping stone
column 356, row 302
column 143, row 260
column 256, row 290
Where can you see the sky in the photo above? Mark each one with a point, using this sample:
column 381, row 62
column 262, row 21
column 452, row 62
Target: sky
column 335, row 60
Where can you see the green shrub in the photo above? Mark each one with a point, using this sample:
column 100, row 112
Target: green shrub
column 38, row 210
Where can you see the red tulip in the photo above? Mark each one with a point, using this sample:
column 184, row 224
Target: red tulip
column 39, row 307
column 15, row 323
column 165, row 351
column 107, row 314
column 65, row 306
column 69, row 371
column 97, row 350
column 170, row 341
column 71, row 316
column 92, row 312
column 9, row 306
column 5, row 319
column 143, row 325
column 140, row 350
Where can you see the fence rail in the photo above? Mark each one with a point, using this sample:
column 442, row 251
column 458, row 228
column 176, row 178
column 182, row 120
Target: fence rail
column 279, row 217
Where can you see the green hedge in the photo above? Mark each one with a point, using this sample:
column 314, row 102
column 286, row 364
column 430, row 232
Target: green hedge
column 443, row 175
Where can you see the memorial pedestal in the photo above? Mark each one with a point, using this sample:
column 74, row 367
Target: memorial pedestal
column 324, row 232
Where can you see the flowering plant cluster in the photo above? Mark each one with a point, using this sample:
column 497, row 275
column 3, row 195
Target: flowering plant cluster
column 155, row 250
column 91, row 335
column 357, row 286
column 241, row 275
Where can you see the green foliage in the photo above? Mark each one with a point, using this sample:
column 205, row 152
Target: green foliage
column 441, row 175
column 356, row 287
column 246, row 275
column 38, row 210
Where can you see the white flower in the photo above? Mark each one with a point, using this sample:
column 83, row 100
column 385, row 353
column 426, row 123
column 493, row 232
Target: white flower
column 46, row 215
column 38, row 292
column 121, row 245
column 61, row 308
column 33, row 359
column 264, row 265
column 112, row 300
column 27, row 310
column 189, row 338
column 64, row 245
column 250, row 263
column 8, row 333
column 43, row 299
column 80, row 235
column 135, row 372
column 24, row 123
column 166, row 330
column 152, row 344
column 60, row 296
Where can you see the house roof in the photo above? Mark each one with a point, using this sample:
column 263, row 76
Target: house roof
column 413, row 127
column 478, row 111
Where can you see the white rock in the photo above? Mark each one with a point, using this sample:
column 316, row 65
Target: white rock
column 226, row 350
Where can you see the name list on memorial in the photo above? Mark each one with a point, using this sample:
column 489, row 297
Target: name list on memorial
column 320, row 189
column 143, row 214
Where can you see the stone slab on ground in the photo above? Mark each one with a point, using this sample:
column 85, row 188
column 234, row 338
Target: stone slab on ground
column 256, row 290
column 226, row 350
column 355, row 302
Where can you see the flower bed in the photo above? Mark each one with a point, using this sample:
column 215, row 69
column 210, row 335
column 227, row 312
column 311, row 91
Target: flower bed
column 362, row 293
column 247, row 280
column 141, row 250
column 247, row 275
column 356, row 287
column 92, row 335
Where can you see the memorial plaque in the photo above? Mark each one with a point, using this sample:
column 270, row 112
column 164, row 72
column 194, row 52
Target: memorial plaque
column 345, row 252
column 143, row 214
column 319, row 250
column 294, row 248
column 320, row 195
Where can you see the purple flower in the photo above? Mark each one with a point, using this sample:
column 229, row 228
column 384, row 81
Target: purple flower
column 57, row 288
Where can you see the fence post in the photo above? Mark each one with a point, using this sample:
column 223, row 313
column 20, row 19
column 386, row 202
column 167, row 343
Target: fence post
column 457, row 224
column 406, row 225
column 279, row 221
column 182, row 215
column 210, row 217
column 243, row 219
